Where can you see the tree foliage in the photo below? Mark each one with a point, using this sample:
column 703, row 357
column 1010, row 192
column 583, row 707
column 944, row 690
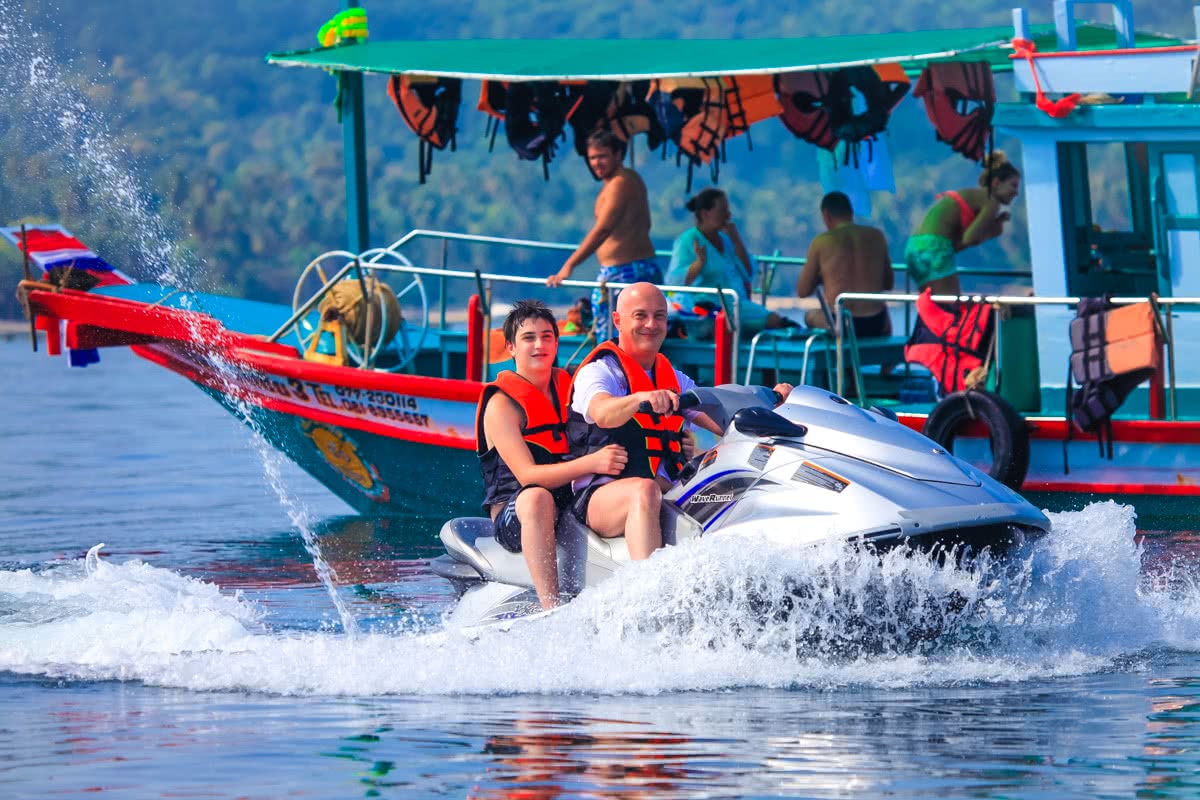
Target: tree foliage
column 187, row 155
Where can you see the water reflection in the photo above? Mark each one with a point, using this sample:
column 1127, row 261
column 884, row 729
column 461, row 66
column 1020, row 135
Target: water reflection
column 548, row 756
column 1172, row 741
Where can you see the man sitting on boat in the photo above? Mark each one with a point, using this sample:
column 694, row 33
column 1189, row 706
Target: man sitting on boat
column 848, row 257
column 609, row 386
column 521, row 440
column 620, row 237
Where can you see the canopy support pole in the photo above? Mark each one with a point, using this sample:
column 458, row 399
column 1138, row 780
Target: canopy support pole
column 354, row 146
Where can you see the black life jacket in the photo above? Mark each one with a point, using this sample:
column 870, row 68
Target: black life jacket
column 960, row 99
column 694, row 115
column 861, row 103
column 535, row 117
column 594, row 102
column 651, row 440
column 619, row 108
column 544, row 431
column 1104, row 381
column 430, row 108
column 849, row 105
column 950, row 340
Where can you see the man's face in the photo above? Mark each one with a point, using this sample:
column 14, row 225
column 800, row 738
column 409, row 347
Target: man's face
column 603, row 161
column 535, row 345
column 641, row 322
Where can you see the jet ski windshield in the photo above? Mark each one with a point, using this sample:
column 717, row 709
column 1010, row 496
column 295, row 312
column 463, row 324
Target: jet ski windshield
column 721, row 403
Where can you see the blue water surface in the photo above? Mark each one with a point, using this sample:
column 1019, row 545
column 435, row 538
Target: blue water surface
column 197, row 654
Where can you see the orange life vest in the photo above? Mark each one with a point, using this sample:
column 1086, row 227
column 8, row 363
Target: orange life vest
column 651, row 440
column 544, row 429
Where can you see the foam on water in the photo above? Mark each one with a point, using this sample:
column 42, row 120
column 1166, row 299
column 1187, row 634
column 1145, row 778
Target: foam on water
column 58, row 119
column 713, row 614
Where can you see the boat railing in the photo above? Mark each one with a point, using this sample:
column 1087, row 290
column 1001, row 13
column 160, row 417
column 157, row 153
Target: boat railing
column 356, row 266
column 846, row 343
column 381, row 258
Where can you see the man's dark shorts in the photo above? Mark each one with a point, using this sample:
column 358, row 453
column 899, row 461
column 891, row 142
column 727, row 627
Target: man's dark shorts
column 876, row 325
column 508, row 527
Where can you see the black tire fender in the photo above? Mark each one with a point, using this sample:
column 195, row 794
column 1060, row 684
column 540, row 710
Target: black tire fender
column 1007, row 432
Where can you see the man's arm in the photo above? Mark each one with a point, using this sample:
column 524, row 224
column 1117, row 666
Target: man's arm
column 609, row 207
column 613, row 412
column 810, row 276
column 502, row 424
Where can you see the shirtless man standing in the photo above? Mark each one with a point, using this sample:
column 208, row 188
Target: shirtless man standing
column 848, row 258
column 620, row 237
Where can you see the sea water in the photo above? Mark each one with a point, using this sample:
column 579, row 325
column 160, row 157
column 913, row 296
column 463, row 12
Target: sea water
column 195, row 653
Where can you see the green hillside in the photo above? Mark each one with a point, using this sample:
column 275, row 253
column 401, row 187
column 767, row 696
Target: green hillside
column 189, row 154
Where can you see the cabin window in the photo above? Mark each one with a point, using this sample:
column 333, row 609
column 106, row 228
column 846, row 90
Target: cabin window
column 1182, row 204
column 1107, row 218
column 1108, row 187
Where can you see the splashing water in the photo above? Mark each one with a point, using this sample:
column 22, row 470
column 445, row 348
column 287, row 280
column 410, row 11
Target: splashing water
column 57, row 118
column 722, row 612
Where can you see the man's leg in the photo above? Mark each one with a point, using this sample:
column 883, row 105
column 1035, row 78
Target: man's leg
column 630, row 506
column 537, row 514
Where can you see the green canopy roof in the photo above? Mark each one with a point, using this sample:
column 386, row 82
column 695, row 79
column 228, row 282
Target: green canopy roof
column 633, row 59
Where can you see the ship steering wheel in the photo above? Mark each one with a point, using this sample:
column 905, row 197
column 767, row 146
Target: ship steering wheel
column 409, row 289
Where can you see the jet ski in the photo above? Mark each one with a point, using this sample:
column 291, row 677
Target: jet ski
column 815, row 467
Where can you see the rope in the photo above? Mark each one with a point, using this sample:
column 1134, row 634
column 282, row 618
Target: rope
column 1055, row 108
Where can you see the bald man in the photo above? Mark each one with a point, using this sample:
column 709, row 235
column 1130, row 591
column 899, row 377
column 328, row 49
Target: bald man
column 605, row 394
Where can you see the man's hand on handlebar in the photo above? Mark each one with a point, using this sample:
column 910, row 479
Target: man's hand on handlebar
column 658, row 401
column 782, row 390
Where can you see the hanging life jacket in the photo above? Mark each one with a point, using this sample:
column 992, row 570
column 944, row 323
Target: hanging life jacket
column 536, row 115
column 1113, row 349
column 429, row 107
column 848, row 105
column 804, row 97
column 493, row 101
column 632, row 114
column 862, row 102
column 749, row 99
column 960, row 100
column 619, row 108
column 651, row 440
column 544, row 432
column 694, row 115
column 950, row 341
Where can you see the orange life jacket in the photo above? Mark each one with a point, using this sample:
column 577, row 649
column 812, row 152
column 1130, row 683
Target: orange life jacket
column 430, row 108
column 544, row 429
column 651, row 440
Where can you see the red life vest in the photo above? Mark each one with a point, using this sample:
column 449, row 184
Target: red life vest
column 544, row 429
column 960, row 100
column 651, row 440
column 950, row 342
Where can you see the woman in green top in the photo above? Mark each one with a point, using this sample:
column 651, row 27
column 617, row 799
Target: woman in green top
column 712, row 254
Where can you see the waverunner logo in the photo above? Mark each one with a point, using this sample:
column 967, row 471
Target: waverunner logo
column 713, row 498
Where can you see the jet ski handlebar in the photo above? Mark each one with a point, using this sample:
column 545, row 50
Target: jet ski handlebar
column 692, row 399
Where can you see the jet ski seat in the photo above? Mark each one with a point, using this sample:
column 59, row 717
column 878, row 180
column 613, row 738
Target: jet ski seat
column 471, row 542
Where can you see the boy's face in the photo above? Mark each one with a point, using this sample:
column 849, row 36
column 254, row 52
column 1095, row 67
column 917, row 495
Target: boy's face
column 535, row 345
